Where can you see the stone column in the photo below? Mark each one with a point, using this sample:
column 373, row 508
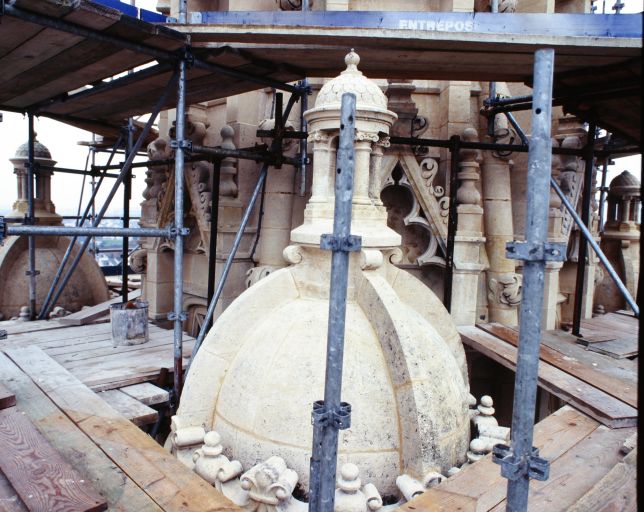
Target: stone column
column 469, row 237
column 503, row 284
column 551, row 277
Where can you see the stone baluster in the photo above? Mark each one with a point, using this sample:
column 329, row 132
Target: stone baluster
column 469, row 238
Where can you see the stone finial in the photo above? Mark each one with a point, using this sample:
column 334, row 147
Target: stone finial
column 269, row 484
column 352, row 59
column 485, row 416
column 477, row 450
column 23, row 316
column 350, row 496
column 211, row 465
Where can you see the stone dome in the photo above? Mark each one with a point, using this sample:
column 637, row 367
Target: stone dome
column 368, row 95
column 625, row 185
column 254, row 382
column 86, row 287
column 40, row 151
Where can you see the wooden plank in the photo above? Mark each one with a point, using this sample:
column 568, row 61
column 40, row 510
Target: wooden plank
column 615, row 492
column 159, row 474
column 619, row 349
column 483, row 482
column 624, row 391
column 7, row 398
column 130, row 408
column 85, row 316
column 42, row 478
column 147, row 393
column 600, row 405
column 442, row 501
column 9, row 499
column 15, row 327
column 576, row 472
column 121, row 492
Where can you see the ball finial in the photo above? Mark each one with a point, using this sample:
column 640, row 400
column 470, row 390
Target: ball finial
column 352, row 60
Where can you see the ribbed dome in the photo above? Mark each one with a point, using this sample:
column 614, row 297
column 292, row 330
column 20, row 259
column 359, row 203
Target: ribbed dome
column 40, row 151
column 368, row 94
column 624, row 184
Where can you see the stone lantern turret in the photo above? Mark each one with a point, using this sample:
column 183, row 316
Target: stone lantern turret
column 261, row 367
column 44, row 209
column 620, row 240
column 87, row 285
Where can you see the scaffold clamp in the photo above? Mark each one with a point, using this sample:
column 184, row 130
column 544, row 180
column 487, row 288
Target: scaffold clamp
column 535, row 251
column 323, row 417
column 183, row 144
column 172, row 316
column 513, row 467
column 331, row 242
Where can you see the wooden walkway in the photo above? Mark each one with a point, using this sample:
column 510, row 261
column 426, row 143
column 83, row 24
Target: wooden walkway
column 126, row 466
column 87, row 352
column 602, row 385
column 587, row 468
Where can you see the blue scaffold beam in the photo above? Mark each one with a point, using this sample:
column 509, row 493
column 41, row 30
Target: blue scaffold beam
column 574, row 25
column 133, row 11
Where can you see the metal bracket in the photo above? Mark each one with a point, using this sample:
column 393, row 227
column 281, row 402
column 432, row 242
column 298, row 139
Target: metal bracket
column 183, row 144
column 3, row 230
column 330, row 242
column 183, row 316
column 339, row 418
column 534, row 251
column 513, row 468
column 35, row 273
column 174, row 232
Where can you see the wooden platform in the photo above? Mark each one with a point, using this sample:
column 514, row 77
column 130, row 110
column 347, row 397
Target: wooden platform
column 126, row 466
column 586, row 467
column 44, row 68
column 87, row 352
column 602, row 386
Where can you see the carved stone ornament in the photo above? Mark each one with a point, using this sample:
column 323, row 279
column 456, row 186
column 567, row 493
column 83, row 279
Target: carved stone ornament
column 269, row 484
column 506, row 289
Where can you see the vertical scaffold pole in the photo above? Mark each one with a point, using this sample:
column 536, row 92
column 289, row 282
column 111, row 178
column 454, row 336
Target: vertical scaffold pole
column 127, row 195
column 520, row 461
column 178, row 316
column 331, row 415
column 31, row 240
column 452, row 221
column 582, row 253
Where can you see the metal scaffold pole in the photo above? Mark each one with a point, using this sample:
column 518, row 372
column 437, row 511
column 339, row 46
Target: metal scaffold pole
column 126, row 168
column 331, row 415
column 582, row 253
column 178, row 316
column 520, row 461
column 32, row 272
column 90, row 205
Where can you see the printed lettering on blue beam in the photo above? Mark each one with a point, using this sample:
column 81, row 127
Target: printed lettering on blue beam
column 580, row 25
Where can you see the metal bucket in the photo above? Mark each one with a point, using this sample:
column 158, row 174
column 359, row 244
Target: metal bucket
column 129, row 322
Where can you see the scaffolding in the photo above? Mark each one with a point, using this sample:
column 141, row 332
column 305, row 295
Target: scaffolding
column 520, row 461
